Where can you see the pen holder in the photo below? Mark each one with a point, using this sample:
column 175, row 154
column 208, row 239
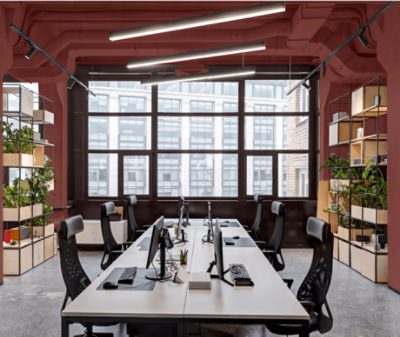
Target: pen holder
column 183, row 257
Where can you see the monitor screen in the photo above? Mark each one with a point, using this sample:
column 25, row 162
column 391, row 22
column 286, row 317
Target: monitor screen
column 155, row 239
column 218, row 250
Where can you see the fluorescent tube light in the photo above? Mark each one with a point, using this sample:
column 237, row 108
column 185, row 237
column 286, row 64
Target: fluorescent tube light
column 199, row 21
column 201, row 54
column 200, row 77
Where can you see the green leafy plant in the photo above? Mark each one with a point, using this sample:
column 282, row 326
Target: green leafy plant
column 15, row 195
column 340, row 167
column 39, row 182
column 17, row 140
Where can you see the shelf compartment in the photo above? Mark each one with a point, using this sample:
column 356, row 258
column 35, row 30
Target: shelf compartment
column 368, row 148
column 38, row 252
column 371, row 215
column 369, row 101
column 49, row 247
column 43, row 117
column 25, row 101
column 17, row 159
column 344, row 252
column 351, row 234
column 42, row 231
column 373, row 267
column 342, row 132
column 17, row 261
column 17, row 213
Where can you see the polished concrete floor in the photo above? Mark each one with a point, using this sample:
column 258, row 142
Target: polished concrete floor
column 30, row 304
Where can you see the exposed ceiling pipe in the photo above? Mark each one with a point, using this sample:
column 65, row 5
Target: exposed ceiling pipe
column 343, row 45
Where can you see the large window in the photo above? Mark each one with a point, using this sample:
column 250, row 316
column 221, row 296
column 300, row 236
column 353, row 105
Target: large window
column 197, row 149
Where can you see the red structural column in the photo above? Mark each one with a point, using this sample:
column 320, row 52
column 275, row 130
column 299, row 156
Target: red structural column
column 388, row 50
column 58, row 135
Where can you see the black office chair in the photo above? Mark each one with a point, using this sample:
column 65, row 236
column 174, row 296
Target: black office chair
column 111, row 249
column 273, row 248
column 312, row 292
column 75, row 278
column 134, row 229
column 254, row 230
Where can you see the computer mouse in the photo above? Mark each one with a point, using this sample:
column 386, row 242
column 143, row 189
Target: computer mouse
column 236, row 237
column 110, row 285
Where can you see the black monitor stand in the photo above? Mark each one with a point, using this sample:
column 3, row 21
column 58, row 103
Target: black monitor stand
column 221, row 277
column 182, row 237
column 160, row 274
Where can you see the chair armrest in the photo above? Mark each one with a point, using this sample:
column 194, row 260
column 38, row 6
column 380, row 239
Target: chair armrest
column 308, row 305
column 117, row 251
column 289, row 282
column 261, row 244
column 140, row 231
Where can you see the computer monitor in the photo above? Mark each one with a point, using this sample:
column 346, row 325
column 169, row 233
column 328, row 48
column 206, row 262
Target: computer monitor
column 158, row 239
column 218, row 256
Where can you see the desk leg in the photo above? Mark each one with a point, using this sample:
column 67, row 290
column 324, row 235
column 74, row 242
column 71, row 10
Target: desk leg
column 64, row 327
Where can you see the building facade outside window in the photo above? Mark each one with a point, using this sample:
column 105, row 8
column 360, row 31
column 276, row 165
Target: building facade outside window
column 198, row 156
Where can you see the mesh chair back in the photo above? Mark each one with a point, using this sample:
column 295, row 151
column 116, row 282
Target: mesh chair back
column 275, row 242
column 107, row 209
column 74, row 276
column 255, row 227
column 318, row 279
column 130, row 215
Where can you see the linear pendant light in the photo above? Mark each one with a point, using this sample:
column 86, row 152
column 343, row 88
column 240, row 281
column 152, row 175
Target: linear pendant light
column 200, row 77
column 196, row 55
column 198, row 21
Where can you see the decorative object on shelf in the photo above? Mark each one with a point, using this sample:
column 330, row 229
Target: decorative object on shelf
column 338, row 115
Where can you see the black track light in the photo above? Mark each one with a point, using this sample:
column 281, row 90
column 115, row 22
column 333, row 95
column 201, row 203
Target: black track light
column 31, row 51
column 71, row 83
column 305, row 85
column 363, row 39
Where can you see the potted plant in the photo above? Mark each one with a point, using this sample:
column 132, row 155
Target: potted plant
column 341, row 172
column 16, row 202
column 17, row 145
column 38, row 184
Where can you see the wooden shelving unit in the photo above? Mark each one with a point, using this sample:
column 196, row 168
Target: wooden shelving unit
column 360, row 136
column 29, row 237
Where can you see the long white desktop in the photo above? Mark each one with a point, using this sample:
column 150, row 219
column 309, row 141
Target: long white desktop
column 268, row 300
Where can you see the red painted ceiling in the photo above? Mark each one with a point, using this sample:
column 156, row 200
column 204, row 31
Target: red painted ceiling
column 77, row 32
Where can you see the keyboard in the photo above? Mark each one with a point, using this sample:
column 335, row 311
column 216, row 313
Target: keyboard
column 239, row 275
column 128, row 275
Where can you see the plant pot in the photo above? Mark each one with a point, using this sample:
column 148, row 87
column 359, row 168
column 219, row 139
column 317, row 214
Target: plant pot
column 356, row 212
column 18, row 159
column 343, row 232
column 339, row 184
column 358, row 231
column 37, row 209
column 46, row 230
column 377, row 216
column 17, row 214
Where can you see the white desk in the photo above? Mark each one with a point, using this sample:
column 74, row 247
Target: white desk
column 268, row 300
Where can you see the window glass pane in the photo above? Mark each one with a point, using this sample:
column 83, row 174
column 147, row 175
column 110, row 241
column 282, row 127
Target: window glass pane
column 124, row 133
column 259, row 175
column 103, row 175
column 293, row 175
column 198, row 97
column 275, row 133
column 119, row 96
column 136, row 175
column 260, row 94
column 204, row 133
column 197, row 175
